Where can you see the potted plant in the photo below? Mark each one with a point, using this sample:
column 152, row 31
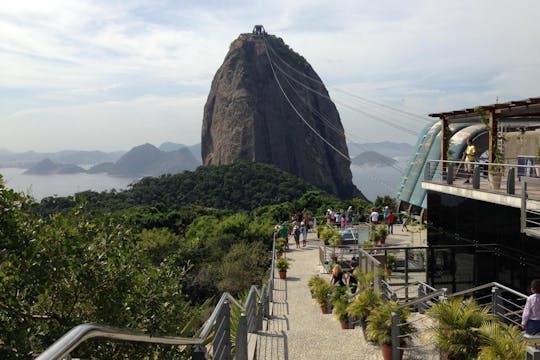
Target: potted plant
column 340, row 311
column 321, row 294
column 454, row 327
column 382, row 233
column 280, row 246
column 379, row 328
column 282, row 266
column 501, row 341
column 390, row 264
column 362, row 305
column 313, row 282
column 320, row 228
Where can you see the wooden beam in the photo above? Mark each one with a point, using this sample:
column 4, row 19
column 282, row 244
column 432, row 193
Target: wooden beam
column 444, row 139
column 492, row 125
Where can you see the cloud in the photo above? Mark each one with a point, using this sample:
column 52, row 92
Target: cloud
column 117, row 125
column 63, row 60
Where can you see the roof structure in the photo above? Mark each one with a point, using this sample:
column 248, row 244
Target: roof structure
column 530, row 107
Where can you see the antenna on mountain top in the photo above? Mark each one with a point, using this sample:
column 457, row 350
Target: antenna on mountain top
column 259, row 30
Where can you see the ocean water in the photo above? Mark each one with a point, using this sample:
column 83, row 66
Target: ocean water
column 40, row 186
column 376, row 181
column 372, row 181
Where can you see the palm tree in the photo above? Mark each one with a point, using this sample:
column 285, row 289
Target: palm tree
column 501, row 342
column 454, row 330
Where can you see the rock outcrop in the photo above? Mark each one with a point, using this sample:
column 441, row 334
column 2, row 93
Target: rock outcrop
column 247, row 116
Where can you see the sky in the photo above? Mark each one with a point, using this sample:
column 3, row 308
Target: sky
column 110, row 75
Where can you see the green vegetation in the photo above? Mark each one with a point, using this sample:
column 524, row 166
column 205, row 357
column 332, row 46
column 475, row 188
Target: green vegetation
column 456, row 321
column 242, row 186
column 150, row 258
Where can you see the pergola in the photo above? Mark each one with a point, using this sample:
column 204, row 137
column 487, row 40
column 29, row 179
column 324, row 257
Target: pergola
column 521, row 110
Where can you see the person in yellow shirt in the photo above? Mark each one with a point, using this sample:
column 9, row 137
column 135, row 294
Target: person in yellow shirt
column 470, row 158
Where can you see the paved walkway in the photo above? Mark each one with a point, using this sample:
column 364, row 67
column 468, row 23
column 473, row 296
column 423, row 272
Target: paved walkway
column 298, row 324
column 298, row 329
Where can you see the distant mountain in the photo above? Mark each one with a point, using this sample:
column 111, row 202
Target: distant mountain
column 148, row 160
column 48, row 167
column 101, row 168
column 386, row 148
column 170, row 146
column 372, row 158
column 30, row 158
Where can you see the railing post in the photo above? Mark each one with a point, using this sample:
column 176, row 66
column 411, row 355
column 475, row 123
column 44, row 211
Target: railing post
column 476, row 177
column 241, row 339
column 421, row 292
column 524, row 205
column 511, row 181
column 450, row 173
column 406, row 274
column 395, row 336
column 495, row 299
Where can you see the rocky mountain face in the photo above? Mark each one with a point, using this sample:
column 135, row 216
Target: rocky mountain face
column 248, row 117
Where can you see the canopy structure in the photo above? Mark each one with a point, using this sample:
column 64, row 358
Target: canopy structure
column 513, row 111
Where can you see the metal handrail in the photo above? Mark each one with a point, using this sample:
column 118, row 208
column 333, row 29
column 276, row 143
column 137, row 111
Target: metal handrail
column 488, row 285
column 79, row 334
column 421, row 299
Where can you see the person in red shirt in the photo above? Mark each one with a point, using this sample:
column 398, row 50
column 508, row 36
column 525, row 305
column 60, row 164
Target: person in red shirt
column 390, row 222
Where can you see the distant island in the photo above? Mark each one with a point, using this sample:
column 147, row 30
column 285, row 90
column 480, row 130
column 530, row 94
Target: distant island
column 169, row 157
column 373, row 159
column 143, row 160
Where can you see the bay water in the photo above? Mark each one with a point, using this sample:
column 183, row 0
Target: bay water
column 372, row 181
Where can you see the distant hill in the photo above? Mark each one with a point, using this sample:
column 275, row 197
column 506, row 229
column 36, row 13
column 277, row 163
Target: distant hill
column 386, row 148
column 195, row 149
column 48, row 167
column 148, row 160
column 239, row 186
column 29, row 159
column 170, row 146
column 372, row 158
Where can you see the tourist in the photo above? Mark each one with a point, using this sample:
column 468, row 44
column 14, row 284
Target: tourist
column 385, row 213
column 284, row 233
column 470, row 158
column 343, row 221
column 390, row 222
column 350, row 215
column 531, row 313
column 304, row 230
column 296, row 234
column 336, row 276
column 404, row 223
column 374, row 217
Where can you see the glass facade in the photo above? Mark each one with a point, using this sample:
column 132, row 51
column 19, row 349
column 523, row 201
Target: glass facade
column 473, row 242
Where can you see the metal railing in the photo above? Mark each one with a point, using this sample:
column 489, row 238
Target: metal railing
column 217, row 329
column 421, row 302
column 506, row 304
column 499, row 176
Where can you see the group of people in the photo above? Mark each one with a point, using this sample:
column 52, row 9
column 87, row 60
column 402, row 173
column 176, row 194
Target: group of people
column 339, row 218
column 300, row 226
column 340, row 278
column 389, row 219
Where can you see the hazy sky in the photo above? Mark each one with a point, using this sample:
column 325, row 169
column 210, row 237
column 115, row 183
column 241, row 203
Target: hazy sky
column 110, row 75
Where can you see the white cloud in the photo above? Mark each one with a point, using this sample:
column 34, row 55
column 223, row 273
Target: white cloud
column 105, row 126
column 72, row 59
